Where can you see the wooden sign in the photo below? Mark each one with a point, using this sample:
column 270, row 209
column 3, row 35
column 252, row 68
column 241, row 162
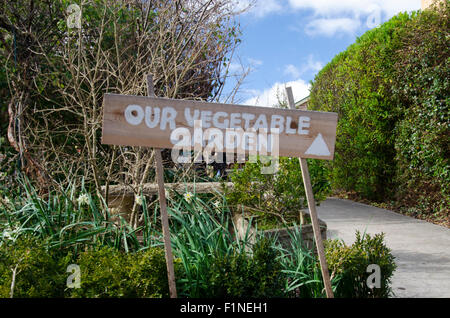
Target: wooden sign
column 169, row 123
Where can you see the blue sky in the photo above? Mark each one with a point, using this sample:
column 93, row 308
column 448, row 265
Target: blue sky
column 286, row 42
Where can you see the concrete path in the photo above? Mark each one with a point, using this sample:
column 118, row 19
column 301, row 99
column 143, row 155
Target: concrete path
column 422, row 249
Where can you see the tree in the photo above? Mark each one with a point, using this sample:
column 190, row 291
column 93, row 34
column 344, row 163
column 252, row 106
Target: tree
column 58, row 76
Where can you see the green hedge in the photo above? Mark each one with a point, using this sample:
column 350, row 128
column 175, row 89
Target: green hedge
column 37, row 272
column 242, row 275
column 390, row 89
column 105, row 272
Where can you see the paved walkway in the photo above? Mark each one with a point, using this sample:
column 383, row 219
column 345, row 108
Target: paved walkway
column 422, row 249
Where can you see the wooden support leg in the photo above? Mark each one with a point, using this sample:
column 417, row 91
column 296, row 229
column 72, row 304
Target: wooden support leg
column 165, row 224
column 163, row 208
column 316, row 227
column 313, row 212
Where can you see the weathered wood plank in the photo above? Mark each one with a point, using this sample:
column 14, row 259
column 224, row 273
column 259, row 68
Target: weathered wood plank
column 151, row 121
column 149, row 189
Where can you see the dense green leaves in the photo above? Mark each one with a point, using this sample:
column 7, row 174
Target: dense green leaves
column 243, row 275
column 349, row 266
column 391, row 91
column 34, row 271
column 276, row 198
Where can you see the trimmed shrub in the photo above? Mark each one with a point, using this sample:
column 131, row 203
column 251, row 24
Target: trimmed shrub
column 38, row 272
column 242, row 275
column 422, row 142
column 148, row 273
column 106, row 272
column 348, row 266
column 355, row 84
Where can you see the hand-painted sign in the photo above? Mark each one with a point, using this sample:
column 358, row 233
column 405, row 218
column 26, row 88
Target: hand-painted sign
column 170, row 123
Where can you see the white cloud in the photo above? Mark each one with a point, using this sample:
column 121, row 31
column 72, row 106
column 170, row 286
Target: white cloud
column 235, row 67
column 310, row 65
column 292, row 71
column 258, row 8
column 347, row 16
column 254, row 62
column 330, row 27
column 327, row 7
column 271, row 96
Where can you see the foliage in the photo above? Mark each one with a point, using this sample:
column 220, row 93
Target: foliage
column 38, row 272
column 355, row 84
column 301, row 268
column 243, row 275
column 275, row 198
column 421, row 83
column 209, row 259
column 67, row 222
column 390, row 89
column 54, row 77
column 106, row 272
column 348, row 266
column 200, row 231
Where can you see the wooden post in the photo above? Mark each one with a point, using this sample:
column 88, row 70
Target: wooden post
column 313, row 212
column 163, row 207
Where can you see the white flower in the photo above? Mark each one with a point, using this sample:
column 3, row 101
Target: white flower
column 7, row 234
column 83, row 199
column 217, row 204
column 167, row 193
column 6, row 201
column 138, row 199
column 188, row 196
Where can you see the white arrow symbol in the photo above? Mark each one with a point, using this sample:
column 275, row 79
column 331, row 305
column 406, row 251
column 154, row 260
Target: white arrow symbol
column 318, row 147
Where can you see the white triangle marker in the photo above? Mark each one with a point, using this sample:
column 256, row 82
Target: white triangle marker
column 318, row 147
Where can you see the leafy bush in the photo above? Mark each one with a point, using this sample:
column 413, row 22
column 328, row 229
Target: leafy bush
column 276, row 198
column 355, row 84
column 38, row 272
column 106, row 272
column 348, row 266
column 422, row 143
column 243, row 275
column 148, row 273
column 390, row 89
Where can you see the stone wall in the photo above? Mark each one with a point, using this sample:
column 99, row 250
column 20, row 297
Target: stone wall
column 307, row 234
column 282, row 234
